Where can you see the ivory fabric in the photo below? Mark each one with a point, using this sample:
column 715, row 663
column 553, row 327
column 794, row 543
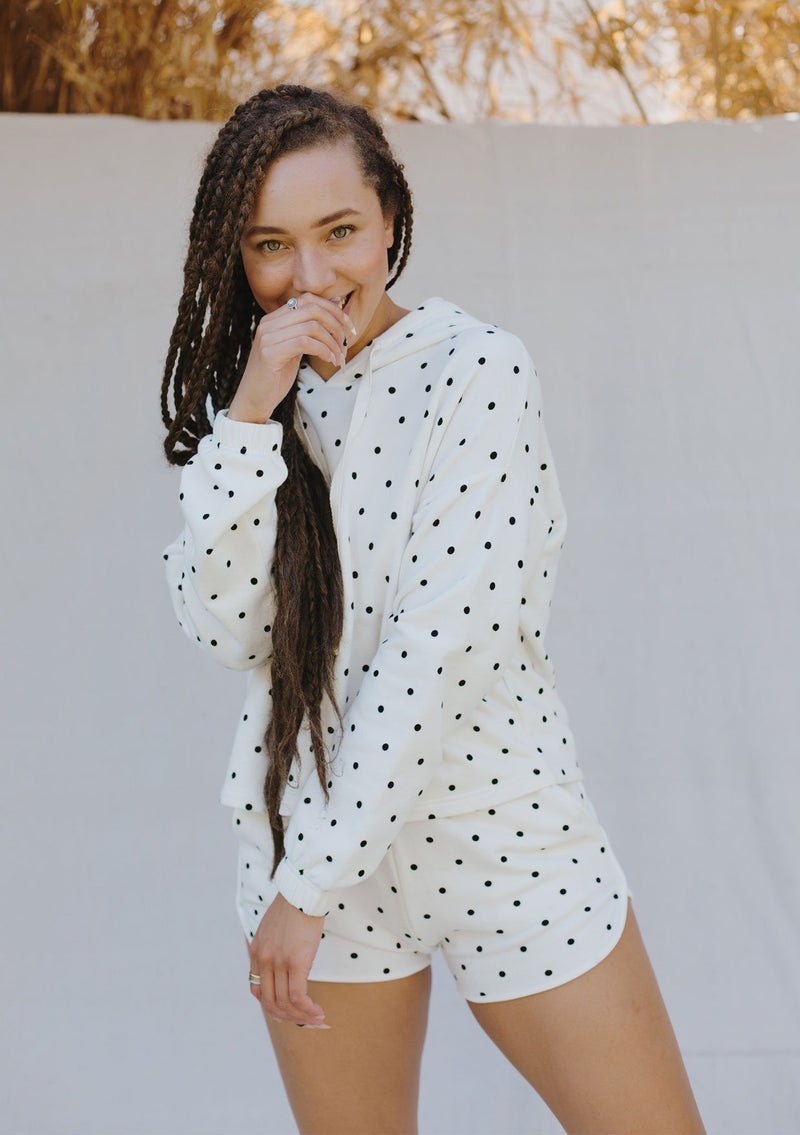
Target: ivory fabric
column 449, row 523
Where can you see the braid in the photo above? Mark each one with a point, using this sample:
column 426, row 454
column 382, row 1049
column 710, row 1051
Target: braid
column 208, row 350
column 211, row 281
column 385, row 171
column 403, row 223
column 309, row 615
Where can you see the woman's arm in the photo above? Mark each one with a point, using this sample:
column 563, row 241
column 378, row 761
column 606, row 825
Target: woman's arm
column 453, row 630
column 219, row 568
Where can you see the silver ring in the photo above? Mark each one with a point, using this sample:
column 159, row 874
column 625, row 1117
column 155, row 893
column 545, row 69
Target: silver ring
column 255, row 979
column 292, row 303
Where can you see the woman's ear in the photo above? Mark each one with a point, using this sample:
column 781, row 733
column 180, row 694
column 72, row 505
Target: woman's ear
column 388, row 228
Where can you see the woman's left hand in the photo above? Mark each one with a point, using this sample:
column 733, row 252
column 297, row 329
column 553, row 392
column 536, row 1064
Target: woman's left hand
column 282, row 953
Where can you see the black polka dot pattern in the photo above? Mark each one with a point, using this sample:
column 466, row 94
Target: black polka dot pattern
column 556, row 906
column 217, row 568
column 449, row 524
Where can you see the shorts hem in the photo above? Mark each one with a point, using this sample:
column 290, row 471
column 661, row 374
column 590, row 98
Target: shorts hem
column 542, row 987
column 360, row 980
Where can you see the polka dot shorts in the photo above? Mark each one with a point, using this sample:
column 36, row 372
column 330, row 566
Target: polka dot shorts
column 520, row 897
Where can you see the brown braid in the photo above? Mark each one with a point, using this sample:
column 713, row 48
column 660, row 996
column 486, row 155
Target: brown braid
column 208, row 351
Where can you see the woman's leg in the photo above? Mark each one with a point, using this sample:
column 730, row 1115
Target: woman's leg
column 361, row 1076
column 600, row 1049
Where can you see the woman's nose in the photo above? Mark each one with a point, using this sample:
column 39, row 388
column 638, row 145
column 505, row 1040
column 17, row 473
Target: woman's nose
column 313, row 272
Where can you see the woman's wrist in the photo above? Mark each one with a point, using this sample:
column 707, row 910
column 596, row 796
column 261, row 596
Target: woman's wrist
column 241, row 412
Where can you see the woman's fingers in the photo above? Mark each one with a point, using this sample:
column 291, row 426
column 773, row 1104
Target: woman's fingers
column 291, row 997
column 312, row 336
column 315, row 326
column 271, row 1006
column 325, row 311
column 332, row 325
column 264, row 992
column 311, row 1013
column 284, row 996
column 282, row 954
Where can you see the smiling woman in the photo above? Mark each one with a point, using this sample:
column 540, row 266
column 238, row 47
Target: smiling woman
column 372, row 527
column 287, row 250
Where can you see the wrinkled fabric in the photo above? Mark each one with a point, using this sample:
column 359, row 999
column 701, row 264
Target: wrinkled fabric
column 449, row 524
column 519, row 898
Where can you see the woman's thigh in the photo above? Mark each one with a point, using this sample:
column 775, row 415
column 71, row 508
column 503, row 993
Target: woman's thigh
column 360, row 1076
column 600, row 1049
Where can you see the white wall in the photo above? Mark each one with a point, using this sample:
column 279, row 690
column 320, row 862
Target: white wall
column 653, row 274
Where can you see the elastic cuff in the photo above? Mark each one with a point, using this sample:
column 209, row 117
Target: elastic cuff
column 300, row 892
column 255, row 437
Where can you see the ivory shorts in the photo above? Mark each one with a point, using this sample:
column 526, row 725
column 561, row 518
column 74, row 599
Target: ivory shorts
column 520, row 897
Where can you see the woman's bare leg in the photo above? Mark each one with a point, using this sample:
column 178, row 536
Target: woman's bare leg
column 361, row 1076
column 600, row 1049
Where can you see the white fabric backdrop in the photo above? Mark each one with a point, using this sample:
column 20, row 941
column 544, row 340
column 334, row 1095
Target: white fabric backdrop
column 653, row 274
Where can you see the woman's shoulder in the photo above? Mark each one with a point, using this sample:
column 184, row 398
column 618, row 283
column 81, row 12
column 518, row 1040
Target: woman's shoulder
column 489, row 362
column 475, row 329
column 470, row 353
column 484, row 349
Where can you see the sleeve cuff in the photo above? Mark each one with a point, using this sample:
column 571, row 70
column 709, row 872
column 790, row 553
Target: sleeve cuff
column 256, row 437
column 301, row 893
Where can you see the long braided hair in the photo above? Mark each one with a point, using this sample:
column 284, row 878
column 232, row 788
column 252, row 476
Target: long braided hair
column 207, row 354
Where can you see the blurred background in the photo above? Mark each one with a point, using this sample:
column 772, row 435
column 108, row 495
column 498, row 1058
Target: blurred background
column 617, row 184
column 553, row 61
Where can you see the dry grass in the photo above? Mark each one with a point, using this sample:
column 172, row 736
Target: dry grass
column 711, row 58
column 169, row 59
column 403, row 58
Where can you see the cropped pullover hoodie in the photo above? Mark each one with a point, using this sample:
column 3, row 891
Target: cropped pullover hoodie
column 449, row 524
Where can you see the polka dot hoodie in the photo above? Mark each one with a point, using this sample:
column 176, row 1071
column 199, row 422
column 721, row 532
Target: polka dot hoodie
column 449, row 523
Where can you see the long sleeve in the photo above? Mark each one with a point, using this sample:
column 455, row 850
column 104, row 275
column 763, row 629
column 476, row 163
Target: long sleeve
column 452, row 630
column 219, row 568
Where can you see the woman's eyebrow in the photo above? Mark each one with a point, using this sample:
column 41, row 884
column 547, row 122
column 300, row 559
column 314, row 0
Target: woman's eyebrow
column 317, row 224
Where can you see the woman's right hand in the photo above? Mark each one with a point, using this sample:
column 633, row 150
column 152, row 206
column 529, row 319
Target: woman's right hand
column 316, row 326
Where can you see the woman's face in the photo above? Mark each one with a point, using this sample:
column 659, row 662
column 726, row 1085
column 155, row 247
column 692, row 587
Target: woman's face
column 318, row 227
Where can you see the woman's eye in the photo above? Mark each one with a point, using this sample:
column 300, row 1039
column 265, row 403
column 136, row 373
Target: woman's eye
column 272, row 244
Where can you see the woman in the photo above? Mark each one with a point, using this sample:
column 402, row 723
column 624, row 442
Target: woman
column 372, row 527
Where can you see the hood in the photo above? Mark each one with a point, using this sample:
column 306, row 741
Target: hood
column 430, row 322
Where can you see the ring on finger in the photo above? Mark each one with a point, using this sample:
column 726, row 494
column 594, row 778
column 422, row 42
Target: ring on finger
column 292, row 303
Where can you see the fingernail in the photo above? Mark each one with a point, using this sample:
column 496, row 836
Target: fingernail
column 305, row 1025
